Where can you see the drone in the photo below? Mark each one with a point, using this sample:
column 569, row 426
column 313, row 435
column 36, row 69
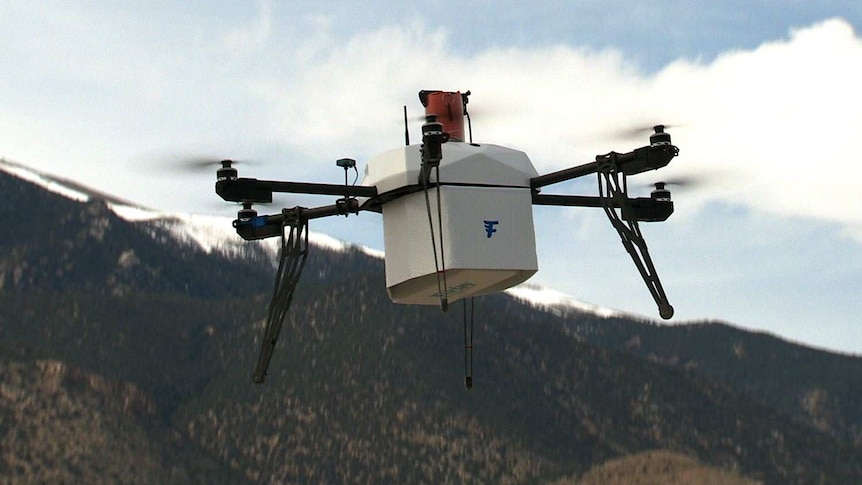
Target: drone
column 457, row 215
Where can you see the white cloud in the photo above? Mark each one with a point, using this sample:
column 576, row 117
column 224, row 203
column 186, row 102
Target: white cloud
column 253, row 36
column 775, row 126
column 782, row 118
column 779, row 122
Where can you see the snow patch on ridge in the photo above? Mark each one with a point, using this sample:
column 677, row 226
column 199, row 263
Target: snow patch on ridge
column 42, row 180
column 210, row 233
column 556, row 301
column 217, row 234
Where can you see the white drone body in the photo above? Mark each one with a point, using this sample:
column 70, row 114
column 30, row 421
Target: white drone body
column 482, row 239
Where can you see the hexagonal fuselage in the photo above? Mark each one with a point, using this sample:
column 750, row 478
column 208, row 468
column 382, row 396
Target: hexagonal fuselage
column 483, row 235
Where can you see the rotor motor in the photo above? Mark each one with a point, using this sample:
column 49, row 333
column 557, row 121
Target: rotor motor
column 660, row 137
column 660, row 193
column 226, row 171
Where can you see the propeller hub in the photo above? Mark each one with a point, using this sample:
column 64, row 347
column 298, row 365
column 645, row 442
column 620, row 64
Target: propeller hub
column 246, row 213
column 659, row 138
column 226, row 172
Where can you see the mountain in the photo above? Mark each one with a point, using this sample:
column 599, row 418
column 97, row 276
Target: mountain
column 657, row 468
column 127, row 341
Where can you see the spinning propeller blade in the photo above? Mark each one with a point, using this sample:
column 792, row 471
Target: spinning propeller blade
column 170, row 165
column 641, row 130
column 205, row 164
column 694, row 181
column 686, row 181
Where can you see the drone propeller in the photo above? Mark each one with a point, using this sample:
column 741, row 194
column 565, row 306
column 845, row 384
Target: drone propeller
column 641, row 130
column 685, row 181
column 707, row 179
column 204, row 164
column 218, row 168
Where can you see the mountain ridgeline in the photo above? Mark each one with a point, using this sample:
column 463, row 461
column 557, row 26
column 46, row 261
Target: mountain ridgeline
column 126, row 356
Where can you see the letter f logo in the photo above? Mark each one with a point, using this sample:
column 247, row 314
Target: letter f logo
column 489, row 227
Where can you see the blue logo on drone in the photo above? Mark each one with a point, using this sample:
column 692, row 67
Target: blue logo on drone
column 489, row 227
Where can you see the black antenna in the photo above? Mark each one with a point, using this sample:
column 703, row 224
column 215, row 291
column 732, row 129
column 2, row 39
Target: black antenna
column 406, row 131
column 465, row 98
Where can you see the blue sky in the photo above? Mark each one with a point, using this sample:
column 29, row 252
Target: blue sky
column 766, row 93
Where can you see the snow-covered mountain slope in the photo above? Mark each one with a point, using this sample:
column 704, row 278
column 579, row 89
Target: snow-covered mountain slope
column 210, row 233
column 215, row 234
column 558, row 302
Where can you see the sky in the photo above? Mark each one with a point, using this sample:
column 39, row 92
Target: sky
column 763, row 95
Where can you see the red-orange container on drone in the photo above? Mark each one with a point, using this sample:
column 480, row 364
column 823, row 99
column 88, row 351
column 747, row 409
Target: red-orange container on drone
column 449, row 108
